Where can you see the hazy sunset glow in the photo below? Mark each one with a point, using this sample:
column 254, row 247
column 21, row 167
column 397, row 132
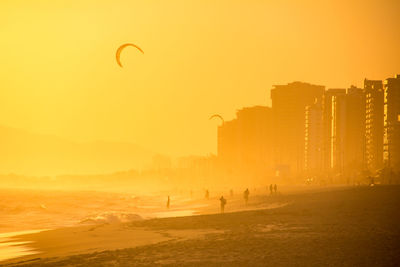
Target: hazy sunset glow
column 199, row 133
column 58, row 73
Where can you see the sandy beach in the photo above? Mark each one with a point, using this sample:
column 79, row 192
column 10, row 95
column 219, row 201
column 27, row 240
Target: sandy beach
column 341, row 227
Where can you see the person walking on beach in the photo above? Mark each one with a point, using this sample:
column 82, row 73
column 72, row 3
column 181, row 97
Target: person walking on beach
column 207, row 196
column 270, row 189
column 168, row 202
column 275, row 188
column 223, row 203
column 246, row 194
column 231, row 192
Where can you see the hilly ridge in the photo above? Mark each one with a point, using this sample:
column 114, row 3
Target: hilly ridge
column 22, row 152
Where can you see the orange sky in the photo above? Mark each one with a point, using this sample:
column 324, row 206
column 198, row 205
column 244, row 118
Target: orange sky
column 58, row 73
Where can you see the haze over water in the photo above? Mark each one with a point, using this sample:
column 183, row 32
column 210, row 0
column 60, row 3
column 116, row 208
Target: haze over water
column 199, row 133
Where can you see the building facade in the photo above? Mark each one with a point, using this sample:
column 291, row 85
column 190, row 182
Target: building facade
column 343, row 132
column 354, row 143
column 245, row 144
column 289, row 105
column 374, row 124
column 329, row 100
column 338, row 133
column 392, row 123
column 313, row 139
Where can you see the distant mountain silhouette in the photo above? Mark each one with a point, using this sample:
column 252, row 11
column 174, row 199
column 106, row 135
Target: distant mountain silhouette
column 22, row 152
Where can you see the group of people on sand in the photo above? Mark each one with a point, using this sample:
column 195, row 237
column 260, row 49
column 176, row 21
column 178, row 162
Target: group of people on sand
column 272, row 188
column 223, row 201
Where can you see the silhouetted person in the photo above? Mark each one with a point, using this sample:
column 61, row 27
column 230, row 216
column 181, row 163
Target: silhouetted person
column 207, row 196
column 168, row 202
column 271, row 189
column 231, row 192
column 246, row 194
column 223, row 203
column 275, row 188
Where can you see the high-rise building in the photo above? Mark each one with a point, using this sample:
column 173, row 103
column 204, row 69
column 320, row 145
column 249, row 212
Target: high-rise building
column 330, row 108
column 314, row 139
column 374, row 99
column 288, row 104
column 392, row 123
column 245, row 144
column 338, row 133
column 354, row 146
column 344, row 128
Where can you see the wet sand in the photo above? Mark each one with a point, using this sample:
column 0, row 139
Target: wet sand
column 342, row 227
column 10, row 248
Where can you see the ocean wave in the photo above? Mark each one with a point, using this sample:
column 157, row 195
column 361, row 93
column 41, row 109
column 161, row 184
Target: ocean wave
column 111, row 217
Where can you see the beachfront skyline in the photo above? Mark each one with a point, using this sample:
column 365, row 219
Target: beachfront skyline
column 199, row 133
column 59, row 74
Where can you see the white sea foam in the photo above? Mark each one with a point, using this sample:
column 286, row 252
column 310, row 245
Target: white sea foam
column 111, row 217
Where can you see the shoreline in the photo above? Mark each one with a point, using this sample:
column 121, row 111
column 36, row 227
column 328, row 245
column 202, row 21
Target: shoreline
column 43, row 213
column 30, row 237
column 328, row 215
